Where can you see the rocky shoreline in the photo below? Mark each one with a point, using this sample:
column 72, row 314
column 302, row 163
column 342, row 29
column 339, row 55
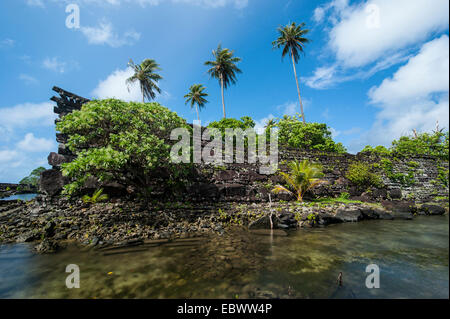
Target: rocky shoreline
column 52, row 223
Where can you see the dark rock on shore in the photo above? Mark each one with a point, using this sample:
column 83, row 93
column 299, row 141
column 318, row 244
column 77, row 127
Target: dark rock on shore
column 429, row 209
column 349, row 215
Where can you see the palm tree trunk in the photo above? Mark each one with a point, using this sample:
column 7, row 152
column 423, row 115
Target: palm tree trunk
column 298, row 88
column 223, row 98
column 198, row 115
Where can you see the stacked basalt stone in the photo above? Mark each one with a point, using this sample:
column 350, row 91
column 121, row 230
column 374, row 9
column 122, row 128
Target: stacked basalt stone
column 52, row 180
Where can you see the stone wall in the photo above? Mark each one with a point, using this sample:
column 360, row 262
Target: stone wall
column 243, row 183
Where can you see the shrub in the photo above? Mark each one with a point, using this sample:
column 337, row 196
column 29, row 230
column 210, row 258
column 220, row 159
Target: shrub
column 119, row 141
column 435, row 144
column 362, row 176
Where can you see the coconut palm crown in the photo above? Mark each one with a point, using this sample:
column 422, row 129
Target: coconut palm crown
column 223, row 68
column 145, row 74
column 292, row 40
column 196, row 96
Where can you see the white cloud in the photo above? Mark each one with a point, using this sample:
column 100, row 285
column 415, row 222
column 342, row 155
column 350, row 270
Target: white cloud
column 239, row 4
column 289, row 108
column 104, row 34
column 35, row 144
column 28, row 79
column 7, row 155
column 357, row 39
column 54, row 64
column 378, row 32
column 26, row 115
column 415, row 97
column 114, row 86
column 7, row 43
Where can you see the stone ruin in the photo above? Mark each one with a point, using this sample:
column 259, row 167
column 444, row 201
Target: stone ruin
column 243, row 183
column 52, row 180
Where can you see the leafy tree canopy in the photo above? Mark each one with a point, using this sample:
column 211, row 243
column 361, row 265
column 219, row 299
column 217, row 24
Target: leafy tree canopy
column 33, row 178
column 115, row 140
column 313, row 136
column 431, row 144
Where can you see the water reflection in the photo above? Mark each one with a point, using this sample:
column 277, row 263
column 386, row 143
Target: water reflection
column 412, row 256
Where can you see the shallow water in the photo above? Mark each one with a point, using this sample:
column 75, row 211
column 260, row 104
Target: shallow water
column 412, row 257
column 25, row 197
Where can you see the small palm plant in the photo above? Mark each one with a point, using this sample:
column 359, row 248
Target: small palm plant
column 196, row 96
column 302, row 177
column 98, row 196
column 224, row 69
column 145, row 74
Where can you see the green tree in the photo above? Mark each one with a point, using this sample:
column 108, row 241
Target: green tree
column 145, row 74
column 121, row 142
column 294, row 133
column 223, row 68
column 33, row 178
column 196, row 96
column 302, row 177
column 292, row 39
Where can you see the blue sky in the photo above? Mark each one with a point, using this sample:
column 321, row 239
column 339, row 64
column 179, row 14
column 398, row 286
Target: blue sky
column 374, row 70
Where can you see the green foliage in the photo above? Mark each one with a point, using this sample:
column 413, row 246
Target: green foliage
column 404, row 179
column 311, row 136
column 8, row 189
column 97, row 197
column 115, row 140
column 196, row 96
column 244, row 123
column 33, row 178
column 344, row 195
column 145, row 74
column 302, row 177
column 435, row 144
column 380, row 150
column 431, row 144
column 443, row 177
column 361, row 175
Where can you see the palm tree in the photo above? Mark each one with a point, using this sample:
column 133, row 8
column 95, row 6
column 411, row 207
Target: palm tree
column 301, row 178
column 148, row 79
column 196, row 96
column 292, row 39
column 224, row 69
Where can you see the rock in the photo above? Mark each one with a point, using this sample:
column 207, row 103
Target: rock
column 399, row 206
column 348, row 215
column 264, row 223
column 430, row 209
column 226, row 175
column 233, row 189
column 26, row 237
column 395, row 193
column 49, row 229
column 369, row 213
column 46, row 246
column 402, row 215
column 51, row 182
column 327, row 219
column 55, row 159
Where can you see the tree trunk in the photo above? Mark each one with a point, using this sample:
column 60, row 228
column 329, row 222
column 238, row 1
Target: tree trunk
column 298, row 88
column 198, row 115
column 223, row 99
